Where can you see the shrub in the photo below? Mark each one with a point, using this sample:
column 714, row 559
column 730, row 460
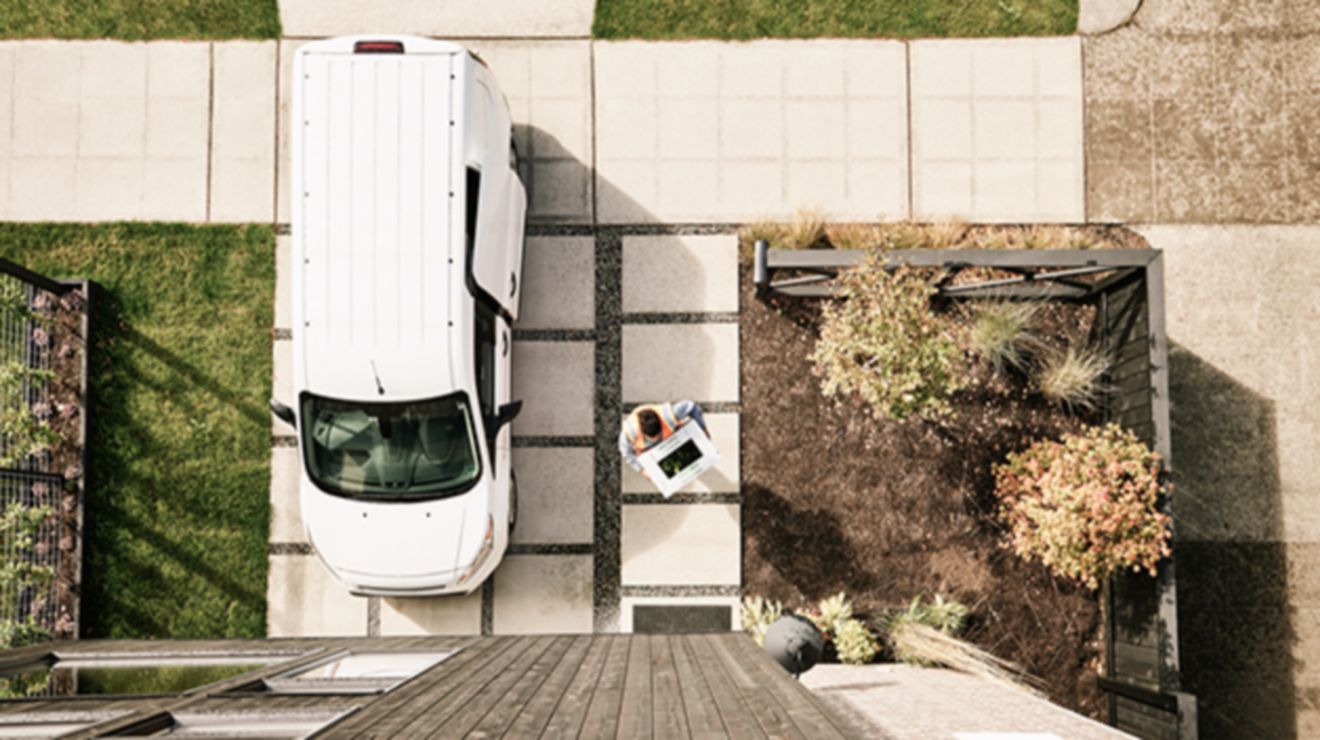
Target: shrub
column 946, row 616
column 757, row 616
column 831, row 613
column 1086, row 506
column 1001, row 332
column 882, row 341
column 854, row 643
column 1073, row 378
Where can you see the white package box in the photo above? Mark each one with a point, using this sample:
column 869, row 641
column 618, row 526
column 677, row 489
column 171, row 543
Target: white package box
column 690, row 449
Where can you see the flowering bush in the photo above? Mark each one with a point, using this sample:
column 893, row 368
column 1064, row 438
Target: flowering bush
column 882, row 341
column 1085, row 506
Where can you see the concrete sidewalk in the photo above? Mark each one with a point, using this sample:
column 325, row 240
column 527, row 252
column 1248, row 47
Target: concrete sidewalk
column 615, row 132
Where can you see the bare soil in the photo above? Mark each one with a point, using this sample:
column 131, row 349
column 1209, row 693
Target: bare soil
column 834, row 500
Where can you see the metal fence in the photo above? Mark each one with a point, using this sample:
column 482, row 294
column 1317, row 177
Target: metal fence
column 43, row 355
column 1142, row 677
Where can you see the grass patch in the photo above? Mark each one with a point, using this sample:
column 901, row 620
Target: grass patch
column 750, row 19
column 136, row 20
column 177, row 510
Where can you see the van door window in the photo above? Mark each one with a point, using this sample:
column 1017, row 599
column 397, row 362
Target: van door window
column 473, row 199
column 485, row 354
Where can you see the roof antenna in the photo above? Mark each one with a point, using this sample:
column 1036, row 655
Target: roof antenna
column 379, row 388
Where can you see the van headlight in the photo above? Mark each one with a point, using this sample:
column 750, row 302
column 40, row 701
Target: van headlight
column 486, row 547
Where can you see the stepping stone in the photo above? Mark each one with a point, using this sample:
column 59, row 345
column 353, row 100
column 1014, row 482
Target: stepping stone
column 1102, row 16
column 282, row 387
column 242, row 148
column 557, row 384
column 432, row 615
column 680, row 274
column 283, row 282
column 997, row 130
column 285, row 514
column 680, row 361
column 556, row 495
column 453, row 19
column 559, row 283
column 304, row 600
column 723, row 478
column 543, row 594
column 681, row 545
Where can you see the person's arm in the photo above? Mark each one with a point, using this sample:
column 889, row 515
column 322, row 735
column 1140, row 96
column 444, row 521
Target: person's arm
column 626, row 452
column 690, row 409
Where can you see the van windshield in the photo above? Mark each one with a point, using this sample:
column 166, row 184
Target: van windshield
column 412, row 449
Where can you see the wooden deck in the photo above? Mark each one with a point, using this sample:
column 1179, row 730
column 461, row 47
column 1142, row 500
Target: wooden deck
column 585, row 686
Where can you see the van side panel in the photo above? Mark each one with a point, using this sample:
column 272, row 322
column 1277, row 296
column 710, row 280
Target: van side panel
column 372, row 228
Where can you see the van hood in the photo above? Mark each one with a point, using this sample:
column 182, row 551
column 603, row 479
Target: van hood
column 403, row 540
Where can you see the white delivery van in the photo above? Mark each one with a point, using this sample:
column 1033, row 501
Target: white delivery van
column 408, row 222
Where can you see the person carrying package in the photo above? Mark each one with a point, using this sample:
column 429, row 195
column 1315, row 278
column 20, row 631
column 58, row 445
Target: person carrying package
column 651, row 424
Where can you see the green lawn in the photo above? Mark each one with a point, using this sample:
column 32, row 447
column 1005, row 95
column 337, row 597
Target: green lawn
column 135, row 20
column 749, row 19
column 177, row 510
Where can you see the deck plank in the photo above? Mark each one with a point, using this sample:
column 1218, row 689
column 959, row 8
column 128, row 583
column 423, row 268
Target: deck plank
column 535, row 714
column 509, row 701
column 394, row 710
column 669, row 718
column 699, row 706
column 807, row 713
column 602, row 720
column 736, row 715
column 635, row 714
column 571, row 710
column 468, row 705
column 765, row 708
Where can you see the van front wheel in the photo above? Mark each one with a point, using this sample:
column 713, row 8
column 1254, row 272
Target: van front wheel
column 513, row 499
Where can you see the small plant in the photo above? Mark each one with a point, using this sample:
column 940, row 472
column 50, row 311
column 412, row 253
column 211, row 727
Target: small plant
column 805, row 231
column 854, row 643
column 23, row 432
column 855, row 236
column 1086, row 506
column 1072, row 377
column 946, row 616
column 757, row 616
column 1001, row 332
column 882, row 341
column 832, row 612
column 944, row 234
column 919, row 644
column 904, row 235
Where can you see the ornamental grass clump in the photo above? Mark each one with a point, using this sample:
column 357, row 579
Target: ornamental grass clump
column 757, row 616
column 882, row 341
column 1001, row 333
column 1073, row 377
column 947, row 616
column 853, row 642
column 1086, row 506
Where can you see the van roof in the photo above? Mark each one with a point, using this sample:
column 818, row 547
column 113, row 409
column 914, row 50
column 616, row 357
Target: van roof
column 380, row 259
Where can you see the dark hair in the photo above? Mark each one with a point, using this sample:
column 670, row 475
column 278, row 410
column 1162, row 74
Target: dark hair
column 650, row 422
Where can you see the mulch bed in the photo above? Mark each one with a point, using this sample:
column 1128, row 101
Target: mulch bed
column 834, row 500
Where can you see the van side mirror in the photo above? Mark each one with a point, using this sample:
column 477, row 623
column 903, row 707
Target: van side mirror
column 507, row 413
column 284, row 413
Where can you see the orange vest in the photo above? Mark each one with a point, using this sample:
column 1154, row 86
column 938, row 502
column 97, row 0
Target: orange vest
column 633, row 426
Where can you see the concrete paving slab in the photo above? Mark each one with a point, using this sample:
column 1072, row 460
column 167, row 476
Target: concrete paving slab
column 456, row 19
column 723, row 478
column 556, row 382
column 556, row 495
column 705, row 131
column 677, row 361
column 283, row 282
column 681, row 544
column 559, row 283
column 997, row 130
column 103, row 130
column 435, row 615
column 543, row 594
column 1103, row 16
column 285, row 515
column 282, row 387
column 680, row 274
column 242, row 138
column 304, row 600
column 627, row 603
